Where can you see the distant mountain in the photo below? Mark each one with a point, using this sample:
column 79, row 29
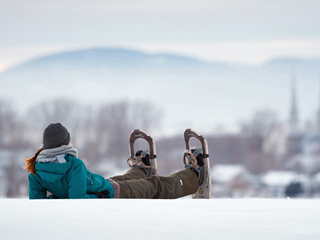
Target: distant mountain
column 114, row 59
column 294, row 65
column 191, row 92
column 117, row 60
column 99, row 64
column 294, row 62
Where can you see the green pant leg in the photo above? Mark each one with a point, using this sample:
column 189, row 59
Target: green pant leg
column 177, row 185
column 133, row 173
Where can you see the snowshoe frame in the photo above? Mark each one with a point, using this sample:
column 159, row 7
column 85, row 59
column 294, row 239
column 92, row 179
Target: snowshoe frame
column 137, row 133
column 204, row 190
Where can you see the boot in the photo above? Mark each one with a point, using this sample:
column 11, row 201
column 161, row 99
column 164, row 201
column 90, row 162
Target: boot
column 195, row 162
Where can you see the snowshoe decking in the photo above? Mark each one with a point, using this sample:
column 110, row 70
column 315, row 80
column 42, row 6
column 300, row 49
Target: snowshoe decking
column 204, row 190
column 137, row 133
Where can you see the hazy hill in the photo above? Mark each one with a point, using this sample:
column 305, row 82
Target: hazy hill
column 106, row 61
column 109, row 58
column 294, row 63
column 191, row 92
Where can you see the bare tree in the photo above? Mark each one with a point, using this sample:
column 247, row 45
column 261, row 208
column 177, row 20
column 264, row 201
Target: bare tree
column 265, row 141
column 262, row 124
column 10, row 127
column 115, row 121
column 13, row 144
column 70, row 113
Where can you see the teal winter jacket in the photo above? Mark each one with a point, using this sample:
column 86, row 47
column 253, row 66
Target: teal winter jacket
column 67, row 180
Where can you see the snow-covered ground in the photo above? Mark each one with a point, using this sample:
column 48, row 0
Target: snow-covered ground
column 160, row 219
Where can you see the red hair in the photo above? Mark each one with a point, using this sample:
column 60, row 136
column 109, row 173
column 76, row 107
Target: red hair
column 31, row 163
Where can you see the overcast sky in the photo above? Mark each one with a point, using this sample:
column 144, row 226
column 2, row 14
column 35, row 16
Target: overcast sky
column 247, row 31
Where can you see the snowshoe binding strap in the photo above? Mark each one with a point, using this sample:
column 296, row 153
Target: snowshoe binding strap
column 192, row 158
column 136, row 161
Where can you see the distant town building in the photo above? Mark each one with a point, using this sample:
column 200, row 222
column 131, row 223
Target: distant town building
column 303, row 146
column 232, row 181
column 308, row 159
column 275, row 183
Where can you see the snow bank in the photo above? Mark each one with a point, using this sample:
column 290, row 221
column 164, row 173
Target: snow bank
column 160, row 219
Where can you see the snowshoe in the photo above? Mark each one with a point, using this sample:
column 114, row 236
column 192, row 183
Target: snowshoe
column 198, row 160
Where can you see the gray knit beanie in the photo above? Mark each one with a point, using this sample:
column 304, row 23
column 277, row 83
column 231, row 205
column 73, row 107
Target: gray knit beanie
column 55, row 135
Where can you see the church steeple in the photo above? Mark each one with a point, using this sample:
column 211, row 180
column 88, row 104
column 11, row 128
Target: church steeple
column 318, row 112
column 294, row 121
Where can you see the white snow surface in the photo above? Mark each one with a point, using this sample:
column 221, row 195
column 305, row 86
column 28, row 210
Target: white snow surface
column 160, row 219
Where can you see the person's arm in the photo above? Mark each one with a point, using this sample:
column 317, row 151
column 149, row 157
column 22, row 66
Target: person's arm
column 36, row 191
column 77, row 186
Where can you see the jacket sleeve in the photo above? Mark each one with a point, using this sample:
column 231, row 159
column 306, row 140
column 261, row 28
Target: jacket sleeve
column 36, row 191
column 77, row 186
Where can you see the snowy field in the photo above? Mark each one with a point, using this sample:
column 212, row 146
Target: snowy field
column 160, row 219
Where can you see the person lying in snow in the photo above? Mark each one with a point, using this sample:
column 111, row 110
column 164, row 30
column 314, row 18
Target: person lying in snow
column 56, row 169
